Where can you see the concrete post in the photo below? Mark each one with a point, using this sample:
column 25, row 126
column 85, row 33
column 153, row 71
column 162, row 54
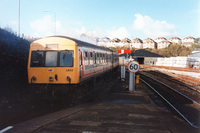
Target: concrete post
column 123, row 73
column 131, row 81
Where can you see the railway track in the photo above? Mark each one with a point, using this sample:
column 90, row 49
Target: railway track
column 190, row 84
column 189, row 90
column 183, row 105
column 158, row 73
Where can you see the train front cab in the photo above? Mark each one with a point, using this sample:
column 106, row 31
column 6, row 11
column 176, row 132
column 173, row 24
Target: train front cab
column 53, row 60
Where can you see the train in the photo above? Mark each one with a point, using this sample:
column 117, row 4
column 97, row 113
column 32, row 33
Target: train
column 65, row 60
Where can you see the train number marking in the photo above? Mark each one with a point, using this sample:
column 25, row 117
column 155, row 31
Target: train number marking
column 69, row 70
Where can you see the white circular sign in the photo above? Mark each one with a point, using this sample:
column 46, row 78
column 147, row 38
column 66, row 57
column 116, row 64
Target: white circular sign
column 133, row 66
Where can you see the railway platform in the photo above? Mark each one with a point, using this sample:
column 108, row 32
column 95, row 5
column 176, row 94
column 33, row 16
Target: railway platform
column 118, row 111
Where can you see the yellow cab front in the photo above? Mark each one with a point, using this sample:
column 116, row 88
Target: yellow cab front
column 53, row 61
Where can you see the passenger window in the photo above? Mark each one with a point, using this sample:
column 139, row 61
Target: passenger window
column 100, row 61
column 106, row 58
column 91, row 58
column 80, row 58
column 94, row 58
column 86, row 55
column 51, row 58
column 86, row 59
column 37, row 59
column 66, row 58
column 97, row 59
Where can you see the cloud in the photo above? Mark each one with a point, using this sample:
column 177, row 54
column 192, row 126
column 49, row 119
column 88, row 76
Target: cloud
column 196, row 11
column 13, row 23
column 154, row 28
column 80, row 32
column 89, row 33
column 44, row 26
column 119, row 33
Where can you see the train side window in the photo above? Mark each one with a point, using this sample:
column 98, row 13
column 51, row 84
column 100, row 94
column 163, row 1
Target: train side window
column 100, row 61
column 37, row 59
column 97, row 59
column 86, row 59
column 102, row 58
column 91, row 58
column 66, row 58
column 106, row 58
column 80, row 58
column 51, row 59
column 86, row 55
column 91, row 54
column 94, row 58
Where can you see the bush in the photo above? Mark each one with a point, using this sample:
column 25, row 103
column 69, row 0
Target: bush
column 173, row 50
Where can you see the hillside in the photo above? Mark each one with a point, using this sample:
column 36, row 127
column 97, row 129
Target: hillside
column 13, row 46
column 172, row 51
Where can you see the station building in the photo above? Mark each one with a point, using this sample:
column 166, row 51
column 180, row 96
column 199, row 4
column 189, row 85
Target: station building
column 142, row 56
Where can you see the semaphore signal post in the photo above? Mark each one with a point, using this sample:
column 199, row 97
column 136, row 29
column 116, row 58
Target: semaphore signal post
column 133, row 67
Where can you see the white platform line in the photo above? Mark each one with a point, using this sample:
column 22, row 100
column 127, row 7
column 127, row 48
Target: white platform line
column 6, row 129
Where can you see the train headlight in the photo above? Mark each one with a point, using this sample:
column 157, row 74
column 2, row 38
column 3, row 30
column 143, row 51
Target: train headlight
column 68, row 79
column 34, row 78
column 50, row 79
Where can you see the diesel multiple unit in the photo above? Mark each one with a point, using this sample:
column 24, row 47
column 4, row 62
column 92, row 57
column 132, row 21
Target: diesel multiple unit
column 63, row 60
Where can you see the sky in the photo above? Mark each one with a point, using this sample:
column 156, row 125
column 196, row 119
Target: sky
column 103, row 18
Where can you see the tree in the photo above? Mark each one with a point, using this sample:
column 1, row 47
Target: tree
column 173, row 50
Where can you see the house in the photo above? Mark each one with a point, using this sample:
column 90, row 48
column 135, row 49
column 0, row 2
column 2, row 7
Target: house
column 175, row 40
column 188, row 41
column 103, row 41
column 126, row 42
column 115, row 42
column 149, row 43
column 163, row 44
column 137, row 43
column 160, row 39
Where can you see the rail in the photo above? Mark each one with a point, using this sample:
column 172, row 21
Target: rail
column 174, row 90
column 167, row 101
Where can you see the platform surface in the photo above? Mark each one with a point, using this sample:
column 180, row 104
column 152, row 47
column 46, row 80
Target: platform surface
column 118, row 112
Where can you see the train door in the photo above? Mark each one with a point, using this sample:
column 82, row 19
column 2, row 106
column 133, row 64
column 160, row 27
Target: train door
column 94, row 60
column 112, row 59
column 80, row 63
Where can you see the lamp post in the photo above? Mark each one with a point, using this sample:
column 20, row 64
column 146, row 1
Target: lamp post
column 55, row 18
column 19, row 19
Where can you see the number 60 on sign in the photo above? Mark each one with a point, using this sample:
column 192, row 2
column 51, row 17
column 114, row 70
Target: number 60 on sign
column 133, row 66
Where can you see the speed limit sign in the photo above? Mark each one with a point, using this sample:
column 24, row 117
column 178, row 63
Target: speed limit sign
column 133, row 66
